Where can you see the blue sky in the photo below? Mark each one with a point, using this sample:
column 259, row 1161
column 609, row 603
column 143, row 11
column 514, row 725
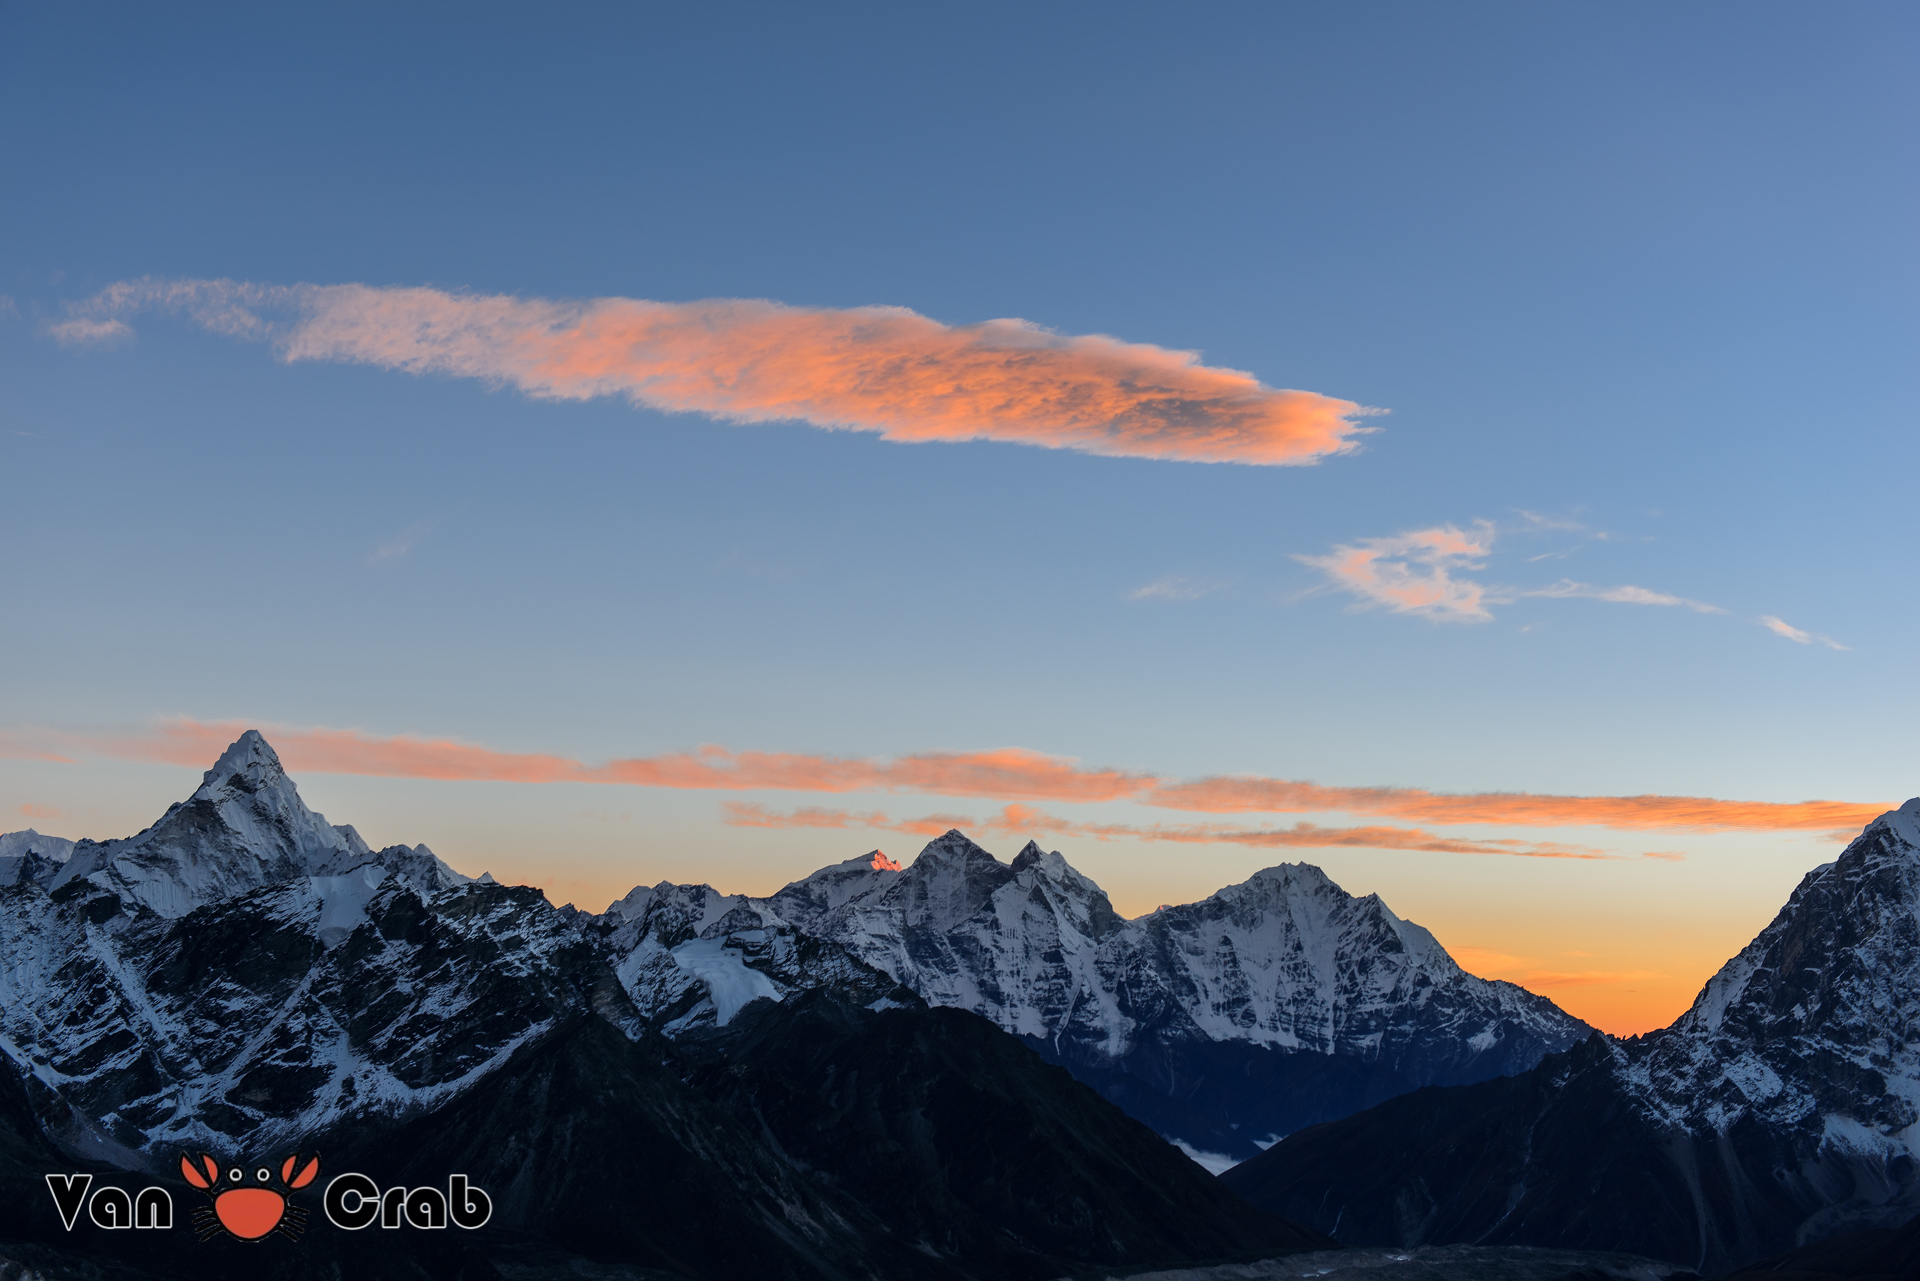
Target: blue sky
column 1635, row 285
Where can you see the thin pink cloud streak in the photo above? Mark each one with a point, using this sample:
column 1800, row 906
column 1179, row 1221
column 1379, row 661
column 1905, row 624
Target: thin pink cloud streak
column 1003, row 775
column 1524, row 809
column 22, row 747
column 885, row 370
column 1005, row 772
column 1020, row 820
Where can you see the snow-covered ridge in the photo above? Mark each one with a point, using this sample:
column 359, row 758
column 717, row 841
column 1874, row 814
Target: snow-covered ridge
column 30, row 855
column 55, row 849
column 1286, row 959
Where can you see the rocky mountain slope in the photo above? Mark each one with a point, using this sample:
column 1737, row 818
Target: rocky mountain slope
column 1781, row 1108
column 1274, row 1004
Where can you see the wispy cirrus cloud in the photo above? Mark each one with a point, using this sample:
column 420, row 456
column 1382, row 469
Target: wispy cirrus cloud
column 885, row 370
column 81, row 329
column 30, row 747
column 1425, row 572
column 1566, row 588
column 1004, row 775
column 1414, row 572
column 1794, row 634
column 1175, row 587
column 1021, row 820
column 397, row 547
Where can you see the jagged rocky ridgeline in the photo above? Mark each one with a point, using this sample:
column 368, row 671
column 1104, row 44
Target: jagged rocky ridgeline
column 1274, row 1004
column 1782, row 1108
column 242, row 967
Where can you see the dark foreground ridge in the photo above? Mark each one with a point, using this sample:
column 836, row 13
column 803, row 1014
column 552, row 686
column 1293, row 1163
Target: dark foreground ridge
column 812, row 1139
column 1875, row 1254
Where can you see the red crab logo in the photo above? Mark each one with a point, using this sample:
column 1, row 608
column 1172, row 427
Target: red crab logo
column 249, row 1208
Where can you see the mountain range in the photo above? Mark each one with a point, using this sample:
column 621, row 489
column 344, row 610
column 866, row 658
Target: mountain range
column 244, row 967
column 883, row 1069
column 244, row 978
column 1225, row 1024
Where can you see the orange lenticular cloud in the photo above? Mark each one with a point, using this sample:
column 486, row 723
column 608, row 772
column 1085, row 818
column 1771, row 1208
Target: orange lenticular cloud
column 885, row 370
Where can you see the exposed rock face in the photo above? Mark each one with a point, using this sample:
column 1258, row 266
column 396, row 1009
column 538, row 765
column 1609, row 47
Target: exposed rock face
column 1277, row 1003
column 1779, row 1109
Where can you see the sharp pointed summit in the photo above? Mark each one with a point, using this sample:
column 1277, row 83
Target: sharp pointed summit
column 245, row 826
column 251, row 756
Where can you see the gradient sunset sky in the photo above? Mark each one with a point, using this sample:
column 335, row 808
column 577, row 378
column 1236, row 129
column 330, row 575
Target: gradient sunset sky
column 1469, row 448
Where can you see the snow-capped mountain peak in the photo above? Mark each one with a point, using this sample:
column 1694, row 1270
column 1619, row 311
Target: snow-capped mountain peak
column 1833, row 979
column 260, row 804
column 55, row 849
column 809, row 901
column 1903, row 823
column 951, row 881
column 250, row 757
column 1284, row 963
column 245, row 826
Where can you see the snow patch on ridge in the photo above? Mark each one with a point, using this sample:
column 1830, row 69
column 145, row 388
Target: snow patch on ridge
column 343, row 901
column 731, row 985
column 1215, row 1163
